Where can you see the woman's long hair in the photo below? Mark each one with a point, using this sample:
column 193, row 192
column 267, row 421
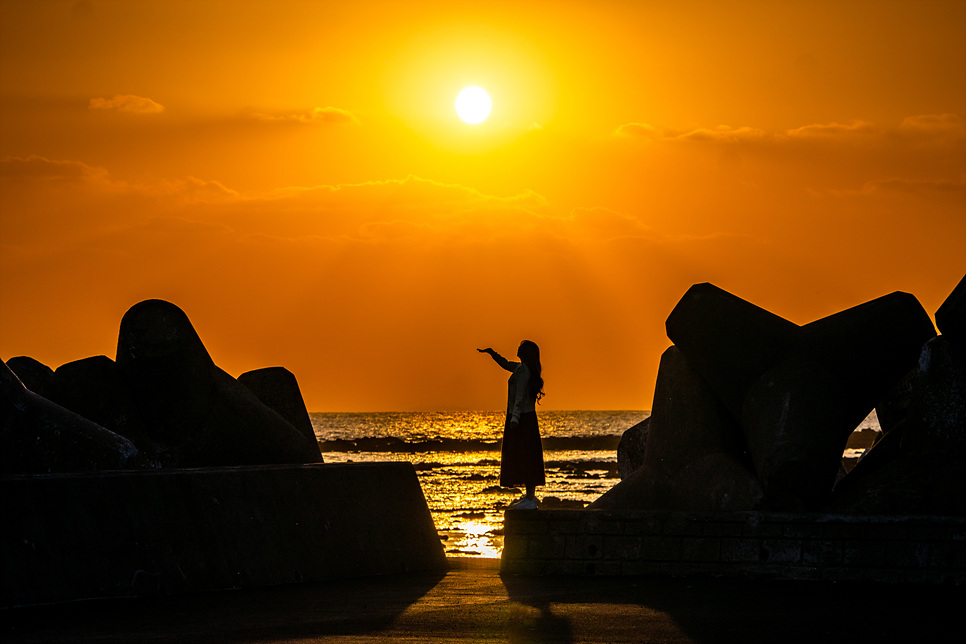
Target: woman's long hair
column 529, row 353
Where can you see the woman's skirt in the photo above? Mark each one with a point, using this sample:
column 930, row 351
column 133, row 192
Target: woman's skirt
column 521, row 461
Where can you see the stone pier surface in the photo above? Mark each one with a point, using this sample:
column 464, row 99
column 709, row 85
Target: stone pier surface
column 752, row 545
column 126, row 533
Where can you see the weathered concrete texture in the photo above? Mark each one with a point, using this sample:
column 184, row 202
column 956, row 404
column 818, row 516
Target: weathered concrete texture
column 764, row 545
column 40, row 436
column 729, row 341
column 35, row 375
column 691, row 458
column 793, row 433
column 202, row 414
column 951, row 318
column 630, row 449
column 278, row 388
column 917, row 468
column 115, row 534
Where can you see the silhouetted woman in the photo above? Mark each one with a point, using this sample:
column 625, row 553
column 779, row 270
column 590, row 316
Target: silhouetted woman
column 521, row 462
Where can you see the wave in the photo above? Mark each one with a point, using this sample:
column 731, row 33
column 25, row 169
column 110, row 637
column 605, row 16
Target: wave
column 459, row 445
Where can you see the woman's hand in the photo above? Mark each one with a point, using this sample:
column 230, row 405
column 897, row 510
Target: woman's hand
column 513, row 424
column 486, row 350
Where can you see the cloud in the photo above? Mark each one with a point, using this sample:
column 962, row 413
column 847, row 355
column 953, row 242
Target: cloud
column 318, row 115
column 919, row 187
column 194, row 190
column 926, row 130
column 38, row 168
column 127, row 103
column 602, row 223
column 948, row 128
column 830, row 130
column 719, row 134
column 638, row 131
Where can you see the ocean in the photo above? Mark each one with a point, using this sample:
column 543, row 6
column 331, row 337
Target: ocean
column 457, row 460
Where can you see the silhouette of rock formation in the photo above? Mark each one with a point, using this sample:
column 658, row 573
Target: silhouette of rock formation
column 278, row 388
column 163, row 399
column 630, row 450
column 35, row 375
column 39, row 436
column 94, row 388
column 741, row 379
column 691, row 456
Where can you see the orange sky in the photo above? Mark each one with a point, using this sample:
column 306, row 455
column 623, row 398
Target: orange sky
column 294, row 176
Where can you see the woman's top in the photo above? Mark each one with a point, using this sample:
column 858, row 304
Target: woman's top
column 518, row 400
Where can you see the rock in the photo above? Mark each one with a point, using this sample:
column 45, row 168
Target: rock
column 798, row 417
column 94, row 388
column 202, row 414
column 35, row 375
column 728, row 341
column 951, row 319
column 39, row 436
column 867, row 349
column 278, row 388
column 691, row 458
column 795, row 434
column 916, row 468
column 630, row 450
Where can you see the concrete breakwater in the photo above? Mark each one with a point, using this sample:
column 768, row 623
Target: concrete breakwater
column 139, row 533
column 757, row 545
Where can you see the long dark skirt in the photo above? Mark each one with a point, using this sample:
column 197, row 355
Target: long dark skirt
column 521, row 461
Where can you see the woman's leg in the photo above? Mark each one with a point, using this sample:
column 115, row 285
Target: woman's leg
column 531, row 491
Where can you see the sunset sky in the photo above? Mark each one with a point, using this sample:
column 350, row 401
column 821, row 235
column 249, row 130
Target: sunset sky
column 295, row 177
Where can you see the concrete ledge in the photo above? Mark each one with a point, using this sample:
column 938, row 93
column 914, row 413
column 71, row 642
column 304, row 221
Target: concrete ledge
column 119, row 534
column 901, row 549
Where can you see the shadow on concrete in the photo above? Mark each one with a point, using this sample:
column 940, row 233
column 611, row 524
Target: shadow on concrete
column 343, row 607
column 728, row 610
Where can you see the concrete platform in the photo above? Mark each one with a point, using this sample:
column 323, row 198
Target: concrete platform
column 67, row 537
column 473, row 603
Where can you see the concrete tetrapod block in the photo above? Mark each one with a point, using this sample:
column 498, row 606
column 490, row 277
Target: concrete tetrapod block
column 93, row 388
column 917, row 467
column 630, row 449
column 124, row 534
column 201, row 413
column 39, row 436
column 795, row 433
column 35, row 375
column 868, row 348
column 691, row 457
column 951, row 319
column 729, row 341
column 278, row 388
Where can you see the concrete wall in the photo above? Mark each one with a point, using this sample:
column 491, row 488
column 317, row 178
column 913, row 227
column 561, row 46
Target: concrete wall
column 897, row 549
column 143, row 533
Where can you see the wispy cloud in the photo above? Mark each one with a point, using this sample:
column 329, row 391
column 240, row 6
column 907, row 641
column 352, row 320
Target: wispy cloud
column 830, row 130
column 719, row 134
column 931, row 128
column 38, row 168
column 127, row 103
column 919, row 187
column 318, row 116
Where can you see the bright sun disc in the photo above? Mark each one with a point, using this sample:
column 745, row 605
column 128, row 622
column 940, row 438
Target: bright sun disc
column 473, row 105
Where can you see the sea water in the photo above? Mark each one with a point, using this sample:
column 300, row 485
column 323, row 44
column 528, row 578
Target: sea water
column 457, row 460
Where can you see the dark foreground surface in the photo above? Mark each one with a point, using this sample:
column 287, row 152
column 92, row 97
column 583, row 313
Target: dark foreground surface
column 473, row 603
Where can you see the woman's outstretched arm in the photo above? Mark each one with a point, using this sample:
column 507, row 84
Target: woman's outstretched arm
column 500, row 360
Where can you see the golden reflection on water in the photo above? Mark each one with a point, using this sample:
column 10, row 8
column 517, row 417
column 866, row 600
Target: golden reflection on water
column 464, row 495
column 478, row 540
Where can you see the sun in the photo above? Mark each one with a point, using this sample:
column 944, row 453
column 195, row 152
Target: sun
column 473, row 105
